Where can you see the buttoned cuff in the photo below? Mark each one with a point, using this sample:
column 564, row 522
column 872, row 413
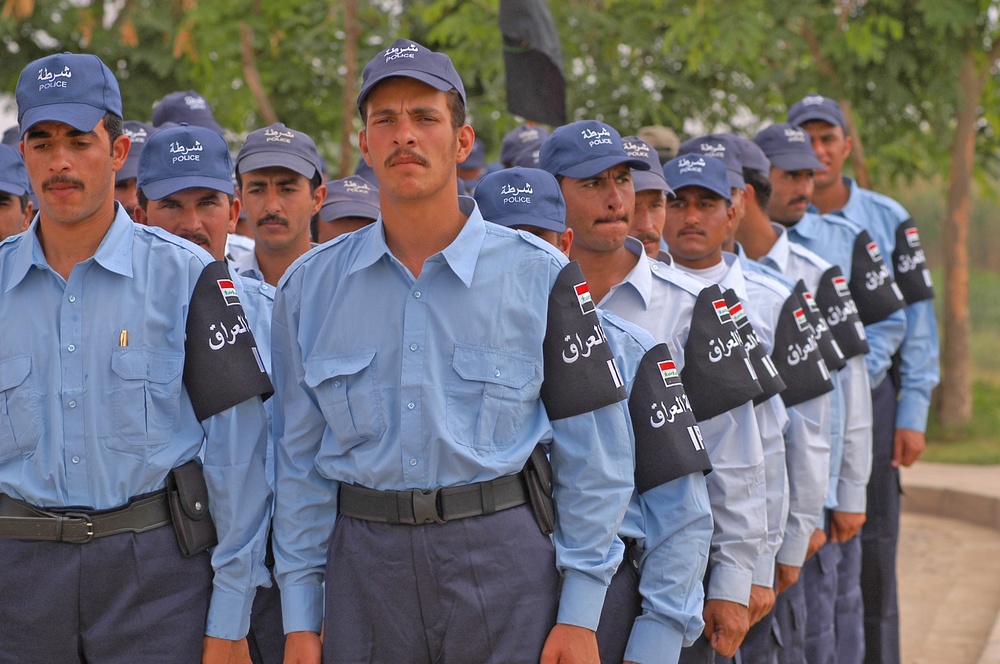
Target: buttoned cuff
column 581, row 601
column 730, row 583
column 302, row 608
column 653, row 641
column 911, row 411
column 793, row 551
column 852, row 497
column 229, row 615
column 763, row 571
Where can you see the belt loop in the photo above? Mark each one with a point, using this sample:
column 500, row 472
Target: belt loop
column 488, row 497
column 396, row 508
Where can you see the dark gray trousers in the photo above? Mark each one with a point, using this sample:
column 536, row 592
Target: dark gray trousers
column 622, row 605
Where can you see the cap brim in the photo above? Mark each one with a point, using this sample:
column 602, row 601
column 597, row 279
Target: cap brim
column 155, row 191
column 796, row 162
column 82, row 117
column 736, row 179
column 817, row 114
column 597, row 165
column 13, row 188
column 533, row 220
column 258, row 160
column 435, row 82
column 650, row 181
column 694, row 180
column 341, row 209
column 130, row 170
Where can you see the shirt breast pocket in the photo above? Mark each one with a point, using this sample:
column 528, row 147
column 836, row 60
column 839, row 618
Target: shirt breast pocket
column 20, row 412
column 146, row 394
column 346, row 389
column 486, row 396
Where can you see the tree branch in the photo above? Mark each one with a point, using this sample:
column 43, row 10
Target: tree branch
column 252, row 75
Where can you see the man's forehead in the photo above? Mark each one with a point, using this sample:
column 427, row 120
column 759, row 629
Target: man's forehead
column 820, row 127
column 194, row 193
column 393, row 90
column 277, row 173
column 693, row 191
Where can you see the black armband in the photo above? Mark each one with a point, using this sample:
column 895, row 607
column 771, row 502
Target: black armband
column 872, row 286
column 912, row 274
column 797, row 355
column 767, row 374
column 838, row 309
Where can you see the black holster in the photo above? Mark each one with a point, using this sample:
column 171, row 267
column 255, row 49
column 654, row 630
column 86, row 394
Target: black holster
column 538, row 478
column 187, row 494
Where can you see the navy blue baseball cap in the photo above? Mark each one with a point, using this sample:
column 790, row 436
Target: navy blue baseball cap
column 698, row 170
column 651, row 180
column 788, row 147
column 185, row 157
column 753, row 158
column 584, row 149
column 720, row 146
column 138, row 133
column 817, row 107
column 476, row 158
column 11, row 136
column 519, row 146
column 522, row 197
column 76, row 89
column 350, row 197
column 280, row 146
column 13, row 175
column 185, row 106
column 409, row 59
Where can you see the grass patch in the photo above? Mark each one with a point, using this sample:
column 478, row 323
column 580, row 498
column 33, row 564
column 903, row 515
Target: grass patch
column 978, row 443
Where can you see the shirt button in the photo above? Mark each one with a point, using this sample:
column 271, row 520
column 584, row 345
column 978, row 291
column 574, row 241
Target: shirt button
column 656, row 268
column 71, row 348
column 72, row 404
column 413, row 346
column 496, row 373
column 336, row 383
column 411, row 405
column 75, row 459
column 72, row 298
column 416, row 294
column 413, row 462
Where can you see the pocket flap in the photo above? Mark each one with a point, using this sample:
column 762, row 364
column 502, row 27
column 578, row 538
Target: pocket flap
column 192, row 490
column 13, row 371
column 490, row 365
column 319, row 369
column 145, row 364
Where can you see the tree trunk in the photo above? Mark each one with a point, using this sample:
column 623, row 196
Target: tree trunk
column 955, row 406
column 351, row 32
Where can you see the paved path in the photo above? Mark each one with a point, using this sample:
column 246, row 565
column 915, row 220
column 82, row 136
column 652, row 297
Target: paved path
column 949, row 564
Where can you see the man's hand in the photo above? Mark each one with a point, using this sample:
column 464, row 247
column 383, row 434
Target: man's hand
column 787, row 576
column 816, row 542
column 761, row 601
column 845, row 525
column 908, row 445
column 224, row 651
column 570, row 644
column 303, row 648
column 726, row 625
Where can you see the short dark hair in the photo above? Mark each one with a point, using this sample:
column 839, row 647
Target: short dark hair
column 761, row 186
column 25, row 199
column 142, row 201
column 115, row 127
column 455, row 106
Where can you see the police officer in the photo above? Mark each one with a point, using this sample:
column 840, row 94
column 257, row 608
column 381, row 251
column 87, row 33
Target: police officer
column 16, row 208
column 668, row 523
column 125, row 179
column 651, row 192
column 904, row 400
column 110, row 395
column 281, row 186
column 595, row 178
column 351, row 203
column 405, row 415
column 520, row 145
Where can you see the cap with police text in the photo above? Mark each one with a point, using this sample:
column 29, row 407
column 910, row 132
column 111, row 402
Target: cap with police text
column 662, row 139
column 184, row 157
column 584, row 149
column 651, row 180
column 13, row 176
column 185, row 106
column 409, row 59
column 788, row 147
column 279, row 146
column 138, row 133
column 350, row 197
column 753, row 158
column 522, row 197
column 817, row 107
column 76, row 89
column 520, row 146
column 720, row 146
column 698, row 170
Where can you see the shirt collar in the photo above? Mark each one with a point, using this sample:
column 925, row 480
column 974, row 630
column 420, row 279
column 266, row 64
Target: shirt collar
column 113, row 254
column 778, row 255
column 808, row 226
column 640, row 277
column 734, row 278
column 461, row 255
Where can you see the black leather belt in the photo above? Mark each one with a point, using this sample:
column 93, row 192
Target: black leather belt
column 20, row 520
column 418, row 506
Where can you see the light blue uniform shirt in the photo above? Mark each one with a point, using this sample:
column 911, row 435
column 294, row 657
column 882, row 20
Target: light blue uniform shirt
column 396, row 382
column 660, row 298
column 88, row 422
column 920, row 370
column 851, row 437
column 245, row 264
column 672, row 524
column 258, row 304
